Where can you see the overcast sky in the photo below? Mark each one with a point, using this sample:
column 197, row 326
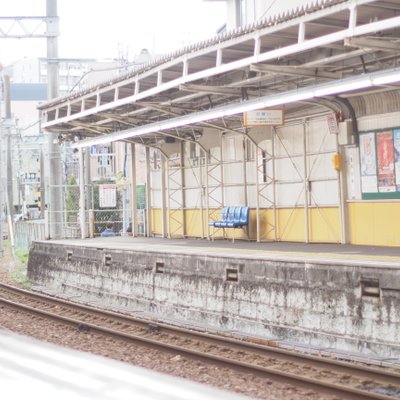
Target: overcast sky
column 108, row 28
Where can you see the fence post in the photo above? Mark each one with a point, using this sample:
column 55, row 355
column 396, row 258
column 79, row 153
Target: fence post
column 91, row 224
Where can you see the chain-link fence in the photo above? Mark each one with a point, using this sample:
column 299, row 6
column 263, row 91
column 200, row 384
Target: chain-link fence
column 26, row 232
column 105, row 203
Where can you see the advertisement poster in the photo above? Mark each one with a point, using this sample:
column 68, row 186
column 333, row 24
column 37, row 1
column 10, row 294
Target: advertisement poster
column 369, row 182
column 386, row 174
column 396, row 141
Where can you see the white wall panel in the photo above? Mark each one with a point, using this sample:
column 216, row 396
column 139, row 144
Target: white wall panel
column 289, row 168
column 289, row 141
column 193, row 198
column 319, row 139
column 192, row 176
column 290, row 195
column 155, row 179
column 382, row 121
column 233, row 173
column 156, row 199
column 234, row 196
column 324, row 193
column 320, row 167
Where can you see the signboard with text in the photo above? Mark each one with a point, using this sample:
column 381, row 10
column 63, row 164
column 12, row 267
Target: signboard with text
column 107, row 196
column 266, row 117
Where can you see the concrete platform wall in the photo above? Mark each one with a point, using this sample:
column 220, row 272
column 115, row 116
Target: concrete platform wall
column 348, row 307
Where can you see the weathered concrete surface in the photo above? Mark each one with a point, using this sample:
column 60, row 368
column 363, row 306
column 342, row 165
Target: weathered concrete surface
column 341, row 304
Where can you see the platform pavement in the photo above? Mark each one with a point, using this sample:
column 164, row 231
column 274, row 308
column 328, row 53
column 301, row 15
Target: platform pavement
column 288, row 251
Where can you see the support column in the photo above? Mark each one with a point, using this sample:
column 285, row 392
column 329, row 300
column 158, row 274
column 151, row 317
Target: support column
column 82, row 220
column 256, row 162
column 275, row 212
column 306, row 184
column 183, row 191
column 89, row 198
column 149, row 221
column 245, row 144
column 204, row 155
column 133, row 202
column 342, row 187
column 164, row 209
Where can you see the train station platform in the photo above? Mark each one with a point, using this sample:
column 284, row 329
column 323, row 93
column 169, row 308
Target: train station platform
column 250, row 249
column 342, row 297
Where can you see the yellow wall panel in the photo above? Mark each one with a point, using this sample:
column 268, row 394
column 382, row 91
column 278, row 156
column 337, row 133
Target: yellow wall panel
column 175, row 223
column 290, row 224
column 195, row 224
column 156, row 218
column 375, row 223
column 324, row 225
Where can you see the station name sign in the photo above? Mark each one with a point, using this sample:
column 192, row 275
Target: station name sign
column 265, row 117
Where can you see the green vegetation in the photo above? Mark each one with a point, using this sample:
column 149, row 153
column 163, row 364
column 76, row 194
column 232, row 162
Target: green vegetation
column 72, row 200
column 15, row 264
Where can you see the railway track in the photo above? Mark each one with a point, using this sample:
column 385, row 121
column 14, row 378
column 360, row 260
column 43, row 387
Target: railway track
column 329, row 376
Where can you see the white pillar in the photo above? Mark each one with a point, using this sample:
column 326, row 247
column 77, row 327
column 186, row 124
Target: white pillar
column 133, row 190
column 82, row 221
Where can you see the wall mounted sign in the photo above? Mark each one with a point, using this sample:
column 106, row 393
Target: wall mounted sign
column 107, row 196
column 265, row 117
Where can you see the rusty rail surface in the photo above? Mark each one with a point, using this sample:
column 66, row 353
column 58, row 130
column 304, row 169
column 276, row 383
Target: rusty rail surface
column 237, row 353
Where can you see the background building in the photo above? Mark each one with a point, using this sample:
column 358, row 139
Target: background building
column 243, row 12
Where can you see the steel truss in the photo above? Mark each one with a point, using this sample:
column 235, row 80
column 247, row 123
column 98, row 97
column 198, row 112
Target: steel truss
column 28, row 27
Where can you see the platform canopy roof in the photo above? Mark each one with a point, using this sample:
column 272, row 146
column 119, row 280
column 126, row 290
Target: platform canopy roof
column 308, row 60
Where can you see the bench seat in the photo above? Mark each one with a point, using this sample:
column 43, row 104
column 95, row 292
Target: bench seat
column 232, row 217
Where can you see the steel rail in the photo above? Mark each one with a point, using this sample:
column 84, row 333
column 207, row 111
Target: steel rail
column 261, row 347
column 349, row 392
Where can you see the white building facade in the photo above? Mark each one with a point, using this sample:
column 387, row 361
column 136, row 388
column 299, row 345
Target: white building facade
column 244, row 12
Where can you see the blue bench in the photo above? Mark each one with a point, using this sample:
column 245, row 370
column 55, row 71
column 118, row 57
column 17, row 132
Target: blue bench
column 232, row 217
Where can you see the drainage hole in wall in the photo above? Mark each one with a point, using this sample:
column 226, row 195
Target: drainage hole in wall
column 159, row 268
column 107, row 260
column 232, row 275
column 370, row 287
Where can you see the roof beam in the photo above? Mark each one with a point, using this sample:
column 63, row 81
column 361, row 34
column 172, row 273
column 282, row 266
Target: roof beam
column 123, row 120
column 372, row 44
column 294, row 71
column 222, row 90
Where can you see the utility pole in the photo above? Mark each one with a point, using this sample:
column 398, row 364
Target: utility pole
column 42, row 191
column 43, row 28
column 55, row 176
column 10, row 192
